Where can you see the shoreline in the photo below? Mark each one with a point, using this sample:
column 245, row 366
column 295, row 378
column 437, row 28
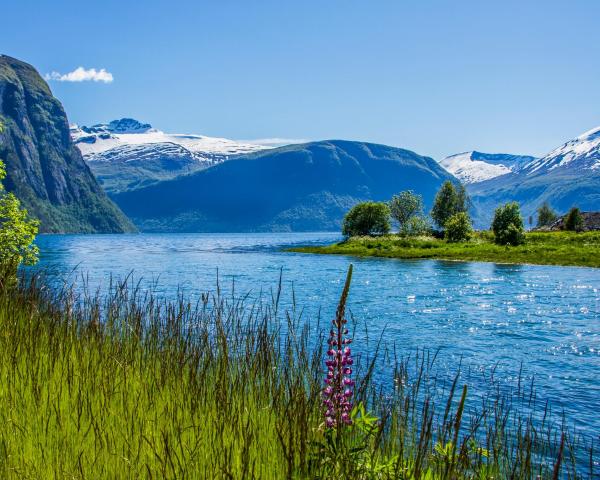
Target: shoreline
column 562, row 249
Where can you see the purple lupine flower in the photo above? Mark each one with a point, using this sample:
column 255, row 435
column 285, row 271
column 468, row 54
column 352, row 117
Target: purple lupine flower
column 337, row 395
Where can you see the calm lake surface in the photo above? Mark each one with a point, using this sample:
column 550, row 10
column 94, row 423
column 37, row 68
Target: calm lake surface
column 545, row 320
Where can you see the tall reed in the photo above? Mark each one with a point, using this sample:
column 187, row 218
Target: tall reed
column 122, row 384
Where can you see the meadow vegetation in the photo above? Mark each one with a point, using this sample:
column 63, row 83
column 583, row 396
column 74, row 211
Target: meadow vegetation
column 541, row 248
column 125, row 385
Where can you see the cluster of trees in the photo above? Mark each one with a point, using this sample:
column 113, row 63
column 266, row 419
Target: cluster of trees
column 17, row 232
column 450, row 213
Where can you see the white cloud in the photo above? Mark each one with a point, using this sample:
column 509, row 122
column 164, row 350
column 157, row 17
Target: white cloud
column 81, row 74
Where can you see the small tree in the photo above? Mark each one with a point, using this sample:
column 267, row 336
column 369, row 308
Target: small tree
column 17, row 231
column 545, row 215
column 449, row 200
column 458, row 228
column 508, row 225
column 367, row 218
column 404, row 206
column 574, row 220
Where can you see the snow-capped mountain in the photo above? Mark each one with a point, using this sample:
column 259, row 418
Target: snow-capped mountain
column 145, row 153
column 473, row 167
column 567, row 176
column 99, row 138
column 581, row 153
column 126, row 154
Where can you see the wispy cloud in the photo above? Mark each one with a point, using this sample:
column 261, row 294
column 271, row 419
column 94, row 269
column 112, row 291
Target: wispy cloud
column 275, row 142
column 81, row 74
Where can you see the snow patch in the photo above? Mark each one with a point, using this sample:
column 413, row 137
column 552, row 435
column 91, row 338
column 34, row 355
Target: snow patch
column 468, row 170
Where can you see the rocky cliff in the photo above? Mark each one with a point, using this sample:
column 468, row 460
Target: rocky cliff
column 44, row 169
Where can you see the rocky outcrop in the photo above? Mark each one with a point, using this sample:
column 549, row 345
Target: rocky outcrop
column 44, row 169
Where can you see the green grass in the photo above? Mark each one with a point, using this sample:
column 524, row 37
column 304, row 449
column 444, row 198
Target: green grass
column 543, row 248
column 128, row 386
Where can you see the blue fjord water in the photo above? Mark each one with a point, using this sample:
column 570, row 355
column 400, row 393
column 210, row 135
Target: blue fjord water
column 541, row 320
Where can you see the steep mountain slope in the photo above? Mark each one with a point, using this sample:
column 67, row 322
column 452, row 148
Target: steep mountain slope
column 580, row 154
column 567, row 176
column 44, row 169
column 126, row 154
column 473, row 167
column 294, row 188
column 127, row 167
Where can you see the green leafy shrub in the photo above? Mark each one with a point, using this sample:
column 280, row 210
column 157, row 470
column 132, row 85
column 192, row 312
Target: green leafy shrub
column 508, row 225
column 367, row 218
column 574, row 220
column 417, row 225
column 458, row 228
column 17, row 231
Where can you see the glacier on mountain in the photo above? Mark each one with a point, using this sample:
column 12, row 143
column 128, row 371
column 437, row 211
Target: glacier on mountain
column 96, row 140
column 474, row 167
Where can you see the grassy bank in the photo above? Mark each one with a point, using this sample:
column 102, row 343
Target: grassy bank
column 127, row 386
column 548, row 248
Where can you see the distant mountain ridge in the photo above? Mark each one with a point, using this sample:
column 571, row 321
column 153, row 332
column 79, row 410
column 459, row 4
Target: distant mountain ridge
column 126, row 154
column 473, row 166
column 569, row 175
column 581, row 153
column 104, row 131
column 44, row 168
column 294, row 188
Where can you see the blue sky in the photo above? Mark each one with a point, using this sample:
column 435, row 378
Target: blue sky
column 437, row 77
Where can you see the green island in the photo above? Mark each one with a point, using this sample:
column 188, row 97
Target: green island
column 570, row 239
column 541, row 248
